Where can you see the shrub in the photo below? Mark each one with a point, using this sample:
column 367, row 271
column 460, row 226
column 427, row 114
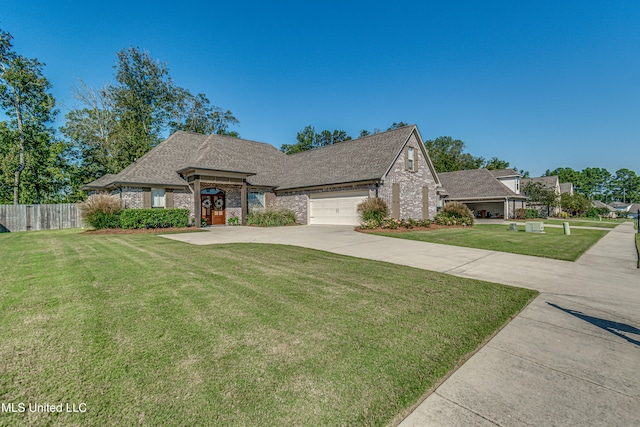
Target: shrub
column 564, row 214
column 100, row 220
column 234, row 220
column 101, row 211
column 394, row 224
column 373, row 209
column 271, row 218
column 527, row 214
column 454, row 213
column 594, row 212
column 154, row 218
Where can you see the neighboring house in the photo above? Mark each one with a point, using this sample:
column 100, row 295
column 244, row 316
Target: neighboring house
column 566, row 188
column 550, row 182
column 620, row 206
column 612, row 213
column 218, row 177
column 633, row 210
column 488, row 193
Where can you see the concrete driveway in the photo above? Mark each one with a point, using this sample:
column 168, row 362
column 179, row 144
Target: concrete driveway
column 572, row 357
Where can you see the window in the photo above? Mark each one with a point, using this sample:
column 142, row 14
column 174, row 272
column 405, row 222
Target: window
column 256, row 201
column 157, row 197
column 410, row 158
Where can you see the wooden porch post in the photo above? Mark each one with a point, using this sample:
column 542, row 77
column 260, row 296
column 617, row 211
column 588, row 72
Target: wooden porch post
column 243, row 202
column 197, row 206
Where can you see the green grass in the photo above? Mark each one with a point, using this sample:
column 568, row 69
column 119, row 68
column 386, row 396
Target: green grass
column 149, row 331
column 552, row 244
column 579, row 222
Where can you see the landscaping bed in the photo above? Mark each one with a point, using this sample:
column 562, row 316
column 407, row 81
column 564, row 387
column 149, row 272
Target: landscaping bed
column 146, row 330
column 433, row 226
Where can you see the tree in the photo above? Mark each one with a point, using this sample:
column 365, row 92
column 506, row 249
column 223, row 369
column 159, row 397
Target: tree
column 596, row 183
column 539, row 194
column 574, row 204
column 447, row 155
column 196, row 114
column 397, row 125
column 26, row 137
column 567, row 175
column 142, row 100
column 308, row 139
column 625, row 186
column 113, row 126
column 495, row 163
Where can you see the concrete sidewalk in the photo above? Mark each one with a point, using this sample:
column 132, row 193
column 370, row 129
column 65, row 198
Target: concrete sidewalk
column 571, row 357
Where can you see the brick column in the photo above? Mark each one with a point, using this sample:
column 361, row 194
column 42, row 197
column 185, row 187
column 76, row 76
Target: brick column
column 197, row 204
column 244, row 203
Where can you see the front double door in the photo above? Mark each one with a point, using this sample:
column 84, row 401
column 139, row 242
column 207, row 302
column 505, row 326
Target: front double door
column 213, row 208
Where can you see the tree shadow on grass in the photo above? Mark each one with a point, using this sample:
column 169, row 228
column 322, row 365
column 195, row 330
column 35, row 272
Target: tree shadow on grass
column 615, row 328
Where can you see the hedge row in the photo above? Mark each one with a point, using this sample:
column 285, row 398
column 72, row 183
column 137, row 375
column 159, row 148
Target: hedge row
column 140, row 218
column 271, row 218
column 154, row 218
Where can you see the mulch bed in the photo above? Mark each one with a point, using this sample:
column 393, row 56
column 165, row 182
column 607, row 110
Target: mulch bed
column 143, row 230
column 404, row 230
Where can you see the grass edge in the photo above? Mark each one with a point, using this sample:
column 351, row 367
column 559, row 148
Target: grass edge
column 398, row 419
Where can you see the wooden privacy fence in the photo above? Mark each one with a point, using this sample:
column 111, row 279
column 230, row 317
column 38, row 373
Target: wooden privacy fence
column 39, row 217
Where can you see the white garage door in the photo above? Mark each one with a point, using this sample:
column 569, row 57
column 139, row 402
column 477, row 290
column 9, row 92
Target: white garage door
column 339, row 208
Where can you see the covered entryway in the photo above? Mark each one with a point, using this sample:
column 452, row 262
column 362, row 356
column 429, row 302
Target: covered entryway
column 213, row 206
column 336, row 208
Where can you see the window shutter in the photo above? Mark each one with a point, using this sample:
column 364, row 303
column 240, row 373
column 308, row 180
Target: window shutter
column 146, row 198
column 406, row 158
column 395, row 201
column 425, row 202
column 415, row 159
column 168, row 198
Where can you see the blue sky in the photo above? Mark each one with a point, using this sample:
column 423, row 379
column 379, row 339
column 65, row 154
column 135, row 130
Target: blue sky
column 541, row 84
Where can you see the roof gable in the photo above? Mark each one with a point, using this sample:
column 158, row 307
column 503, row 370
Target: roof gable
column 362, row 159
column 504, row 173
column 548, row 181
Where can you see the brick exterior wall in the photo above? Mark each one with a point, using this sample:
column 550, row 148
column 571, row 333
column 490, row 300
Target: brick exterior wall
column 132, row 197
column 184, row 199
column 296, row 201
column 411, row 184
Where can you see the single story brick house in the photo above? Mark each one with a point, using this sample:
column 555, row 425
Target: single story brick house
column 488, row 193
column 219, row 177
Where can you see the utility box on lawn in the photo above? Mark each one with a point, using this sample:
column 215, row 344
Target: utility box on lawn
column 534, row 227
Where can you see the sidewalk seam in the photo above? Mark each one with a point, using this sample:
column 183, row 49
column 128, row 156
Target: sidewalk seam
column 559, row 371
column 466, row 409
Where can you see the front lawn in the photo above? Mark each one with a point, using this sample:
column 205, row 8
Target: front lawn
column 150, row 331
column 550, row 244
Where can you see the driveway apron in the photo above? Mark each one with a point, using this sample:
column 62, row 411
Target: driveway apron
column 572, row 357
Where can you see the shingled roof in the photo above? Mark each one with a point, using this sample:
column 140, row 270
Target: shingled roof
column 160, row 165
column 362, row 159
column 224, row 153
column 475, row 184
column 547, row 181
column 504, row 173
